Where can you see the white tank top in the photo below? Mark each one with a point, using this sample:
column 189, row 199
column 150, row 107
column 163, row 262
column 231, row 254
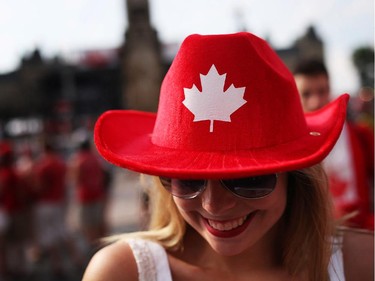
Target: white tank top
column 152, row 261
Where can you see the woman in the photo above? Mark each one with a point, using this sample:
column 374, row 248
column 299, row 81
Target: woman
column 239, row 193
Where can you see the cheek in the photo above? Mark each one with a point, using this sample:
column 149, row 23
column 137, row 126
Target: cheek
column 185, row 206
column 188, row 210
column 280, row 200
column 279, row 206
column 274, row 204
column 272, row 210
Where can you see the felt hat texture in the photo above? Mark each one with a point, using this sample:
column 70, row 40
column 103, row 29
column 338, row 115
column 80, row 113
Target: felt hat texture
column 228, row 108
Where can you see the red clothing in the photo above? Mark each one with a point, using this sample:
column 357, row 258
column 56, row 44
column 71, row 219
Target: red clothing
column 50, row 172
column 89, row 177
column 350, row 168
column 10, row 200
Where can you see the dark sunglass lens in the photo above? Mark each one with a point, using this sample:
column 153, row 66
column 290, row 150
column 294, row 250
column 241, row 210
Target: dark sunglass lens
column 183, row 188
column 252, row 187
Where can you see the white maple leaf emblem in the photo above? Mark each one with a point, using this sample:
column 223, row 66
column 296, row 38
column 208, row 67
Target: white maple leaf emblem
column 213, row 103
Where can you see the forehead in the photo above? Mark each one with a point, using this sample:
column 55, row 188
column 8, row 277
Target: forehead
column 311, row 80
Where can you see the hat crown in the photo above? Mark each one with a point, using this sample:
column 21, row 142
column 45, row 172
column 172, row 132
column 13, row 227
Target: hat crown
column 228, row 108
column 227, row 92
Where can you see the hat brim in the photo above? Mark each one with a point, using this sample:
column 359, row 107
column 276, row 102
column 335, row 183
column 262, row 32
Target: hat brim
column 123, row 137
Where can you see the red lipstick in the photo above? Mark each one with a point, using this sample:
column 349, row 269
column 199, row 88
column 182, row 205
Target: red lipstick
column 229, row 233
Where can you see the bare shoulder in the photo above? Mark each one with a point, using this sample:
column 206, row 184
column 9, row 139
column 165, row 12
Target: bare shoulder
column 114, row 262
column 358, row 251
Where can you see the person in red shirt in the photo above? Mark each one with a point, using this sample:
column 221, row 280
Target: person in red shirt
column 350, row 165
column 50, row 190
column 50, row 177
column 88, row 177
column 12, row 216
column 8, row 181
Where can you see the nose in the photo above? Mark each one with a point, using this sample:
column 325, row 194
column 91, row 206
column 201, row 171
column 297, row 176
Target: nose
column 216, row 198
column 315, row 102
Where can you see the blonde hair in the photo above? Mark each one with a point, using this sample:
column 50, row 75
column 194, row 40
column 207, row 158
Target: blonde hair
column 306, row 242
column 166, row 226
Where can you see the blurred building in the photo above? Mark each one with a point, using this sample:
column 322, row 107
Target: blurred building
column 308, row 46
column 142, row 64
column 58, row 95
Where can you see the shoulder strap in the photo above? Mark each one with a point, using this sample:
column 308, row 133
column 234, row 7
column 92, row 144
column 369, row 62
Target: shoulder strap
column 336, row 265
column 151, row 259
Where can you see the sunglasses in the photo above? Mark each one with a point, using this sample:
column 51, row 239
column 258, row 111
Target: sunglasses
column 248, row 188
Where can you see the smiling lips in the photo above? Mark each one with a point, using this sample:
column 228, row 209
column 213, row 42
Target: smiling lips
column 227, row 229
column 226, row 226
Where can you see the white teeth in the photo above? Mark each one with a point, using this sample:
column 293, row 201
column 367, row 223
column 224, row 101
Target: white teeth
column 229, row 225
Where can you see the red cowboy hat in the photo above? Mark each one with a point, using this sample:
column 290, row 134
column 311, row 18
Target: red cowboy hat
column 228, row 108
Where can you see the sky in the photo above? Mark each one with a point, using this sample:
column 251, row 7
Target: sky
column 66, row 26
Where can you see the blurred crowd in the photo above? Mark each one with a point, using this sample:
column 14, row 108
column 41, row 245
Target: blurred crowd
column 35, row 193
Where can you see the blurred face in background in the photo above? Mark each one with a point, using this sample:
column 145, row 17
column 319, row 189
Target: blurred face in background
column 314, row 91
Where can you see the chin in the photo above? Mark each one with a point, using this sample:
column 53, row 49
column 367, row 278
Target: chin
column 228, row 248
